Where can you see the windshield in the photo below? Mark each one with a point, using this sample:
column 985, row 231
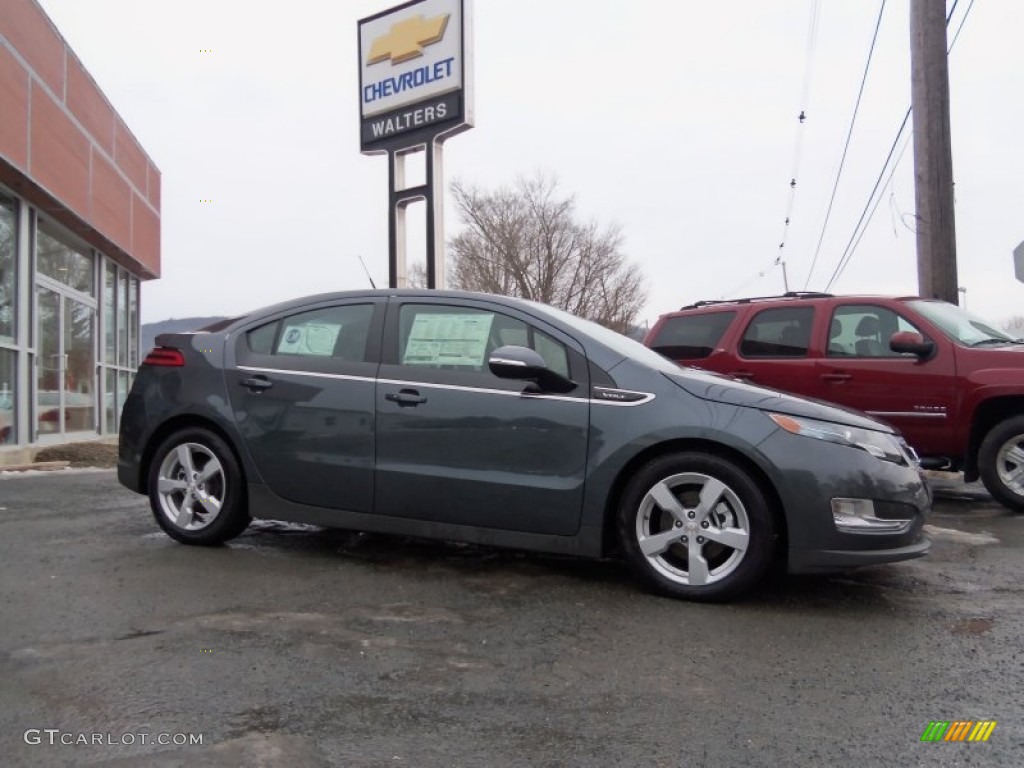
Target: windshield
column 616, row 341
column 959, row 324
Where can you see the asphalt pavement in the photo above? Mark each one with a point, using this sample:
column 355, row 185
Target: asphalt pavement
column 297, row 646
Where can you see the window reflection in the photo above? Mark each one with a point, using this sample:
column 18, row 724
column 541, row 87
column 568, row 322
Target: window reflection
column 8, row 260
column 57, row 259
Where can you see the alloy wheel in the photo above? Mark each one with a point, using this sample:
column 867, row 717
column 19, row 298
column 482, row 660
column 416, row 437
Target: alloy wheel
column 190, row 486
column 693, row 529
column 1010, row 464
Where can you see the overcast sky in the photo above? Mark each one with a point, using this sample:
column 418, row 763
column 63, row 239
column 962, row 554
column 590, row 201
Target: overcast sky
column 675, row 120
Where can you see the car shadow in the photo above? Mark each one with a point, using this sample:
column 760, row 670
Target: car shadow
column 867, row 589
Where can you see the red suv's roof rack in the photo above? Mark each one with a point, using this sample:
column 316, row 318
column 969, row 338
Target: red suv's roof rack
column 787, row 295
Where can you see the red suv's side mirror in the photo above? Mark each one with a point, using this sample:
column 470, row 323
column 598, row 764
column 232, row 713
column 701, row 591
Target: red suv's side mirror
column 912, row 343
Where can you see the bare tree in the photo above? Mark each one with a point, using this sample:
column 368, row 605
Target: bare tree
column 1014, row 326
column 416, row 275
column 526, row 241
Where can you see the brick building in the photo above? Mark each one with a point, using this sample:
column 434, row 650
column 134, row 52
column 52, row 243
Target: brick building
column 79, row 230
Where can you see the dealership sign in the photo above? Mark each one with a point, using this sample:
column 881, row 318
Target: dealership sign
column 413, row 74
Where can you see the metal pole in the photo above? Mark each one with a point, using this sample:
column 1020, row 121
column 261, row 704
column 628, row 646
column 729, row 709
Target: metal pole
column 435, row 216
column 933, row 154
column 396, row 220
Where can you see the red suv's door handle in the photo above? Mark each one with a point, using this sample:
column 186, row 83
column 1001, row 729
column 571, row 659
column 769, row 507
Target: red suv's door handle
column 742, row 374
column 836, row 376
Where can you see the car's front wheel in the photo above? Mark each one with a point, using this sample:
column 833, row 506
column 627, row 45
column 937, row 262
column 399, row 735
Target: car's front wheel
column 696, row 526
column 196, row 490
column 1001, row 462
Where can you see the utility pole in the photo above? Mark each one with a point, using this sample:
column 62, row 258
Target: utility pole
column 933, row 153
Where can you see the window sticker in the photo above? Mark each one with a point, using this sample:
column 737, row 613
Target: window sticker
column 315, row 338
column 448, row 340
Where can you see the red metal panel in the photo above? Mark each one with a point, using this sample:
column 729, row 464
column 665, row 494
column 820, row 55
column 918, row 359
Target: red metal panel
column 14, row 124
column 29, row 30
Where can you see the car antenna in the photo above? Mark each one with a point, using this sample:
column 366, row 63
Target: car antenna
column 372, row 284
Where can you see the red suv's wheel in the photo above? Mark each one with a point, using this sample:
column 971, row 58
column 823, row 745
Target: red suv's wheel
column 1001, row 462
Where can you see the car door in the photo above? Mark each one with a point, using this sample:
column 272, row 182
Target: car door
column 916, row 396
column 302, row 387
column 458, row 445
column 775, row 349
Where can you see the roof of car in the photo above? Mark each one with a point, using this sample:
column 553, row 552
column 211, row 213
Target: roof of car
column 789, row 296
column 302, row 301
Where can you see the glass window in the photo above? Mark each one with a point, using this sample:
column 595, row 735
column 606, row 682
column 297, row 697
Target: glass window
column 863, row 330
column 110, row 398
column 8, row 261
column 58, row 259
column 959, row 324
column 339, row 332
column 110, row 313
column 49, row 363
column 691, row 337
column 261, row 341
column 7, row 412
column 80, row 371
column 133, row 323
column 780, row 332
column 122, row 318
column 461, row 338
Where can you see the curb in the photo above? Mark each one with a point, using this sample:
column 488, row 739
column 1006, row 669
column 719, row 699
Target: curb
column 39, row 466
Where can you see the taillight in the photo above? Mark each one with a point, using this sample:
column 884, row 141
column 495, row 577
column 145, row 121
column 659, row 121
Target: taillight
column 164, row 356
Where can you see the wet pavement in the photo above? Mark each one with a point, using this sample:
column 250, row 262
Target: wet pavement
column 303, row 647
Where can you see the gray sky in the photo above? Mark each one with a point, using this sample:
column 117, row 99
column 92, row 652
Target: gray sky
column 675, row 120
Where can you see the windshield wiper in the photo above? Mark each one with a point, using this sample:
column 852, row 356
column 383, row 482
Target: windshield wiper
column 996, row 341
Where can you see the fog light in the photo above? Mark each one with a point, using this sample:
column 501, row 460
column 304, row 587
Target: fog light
column 858, row 516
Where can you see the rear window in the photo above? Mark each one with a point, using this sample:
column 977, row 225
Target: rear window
column 691, row 337
column 781, row 332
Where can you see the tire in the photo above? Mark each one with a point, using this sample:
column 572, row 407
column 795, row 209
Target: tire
column 1001, row 462
column 209, row 508
column 683, row 547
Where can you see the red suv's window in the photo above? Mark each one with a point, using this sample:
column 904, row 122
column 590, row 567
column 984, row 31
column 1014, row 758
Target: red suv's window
column 782, row 332
column 691, row 337
column 863, row 330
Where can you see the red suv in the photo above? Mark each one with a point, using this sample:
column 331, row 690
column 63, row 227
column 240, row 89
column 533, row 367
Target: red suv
column 948, row 380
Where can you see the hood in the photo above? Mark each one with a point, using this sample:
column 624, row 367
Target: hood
column 1009, row 355
column 722, row 389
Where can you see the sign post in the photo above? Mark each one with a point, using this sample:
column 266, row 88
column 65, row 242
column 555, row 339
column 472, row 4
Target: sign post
column 414, row 92
column 1018, row 262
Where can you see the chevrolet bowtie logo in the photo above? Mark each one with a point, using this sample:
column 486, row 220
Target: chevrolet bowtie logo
column 406, row 39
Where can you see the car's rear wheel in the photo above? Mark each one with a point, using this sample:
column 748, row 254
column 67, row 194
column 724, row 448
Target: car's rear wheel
column 696, row 526
column 1001, row 462
column 196, row 490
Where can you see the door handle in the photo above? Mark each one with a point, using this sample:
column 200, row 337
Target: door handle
column 742, row 374
column 405, row 397
column 256, row 383
column 836, row 376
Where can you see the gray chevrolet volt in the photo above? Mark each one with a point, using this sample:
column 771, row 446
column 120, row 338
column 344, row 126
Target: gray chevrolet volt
column 503, row 422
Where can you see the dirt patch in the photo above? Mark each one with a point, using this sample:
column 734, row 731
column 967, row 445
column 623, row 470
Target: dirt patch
column 92, row 454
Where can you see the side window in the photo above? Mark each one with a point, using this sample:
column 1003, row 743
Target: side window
column 691, row 337
column 863, row 330
column 780, row 332
column 338, row 332
column 462, row 338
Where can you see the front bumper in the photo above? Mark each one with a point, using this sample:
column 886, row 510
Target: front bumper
column 815, row 472
column 824, row 560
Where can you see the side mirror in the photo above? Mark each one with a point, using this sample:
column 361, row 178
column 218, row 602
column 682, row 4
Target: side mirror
column 908, row 342
column 512, row 362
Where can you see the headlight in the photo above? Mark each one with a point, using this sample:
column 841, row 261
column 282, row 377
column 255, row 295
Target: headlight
column 881, row 445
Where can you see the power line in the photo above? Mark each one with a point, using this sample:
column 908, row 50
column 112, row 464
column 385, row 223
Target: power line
column 845, row 258
column 846, row 145
column 812, row 41
column 866, row 216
